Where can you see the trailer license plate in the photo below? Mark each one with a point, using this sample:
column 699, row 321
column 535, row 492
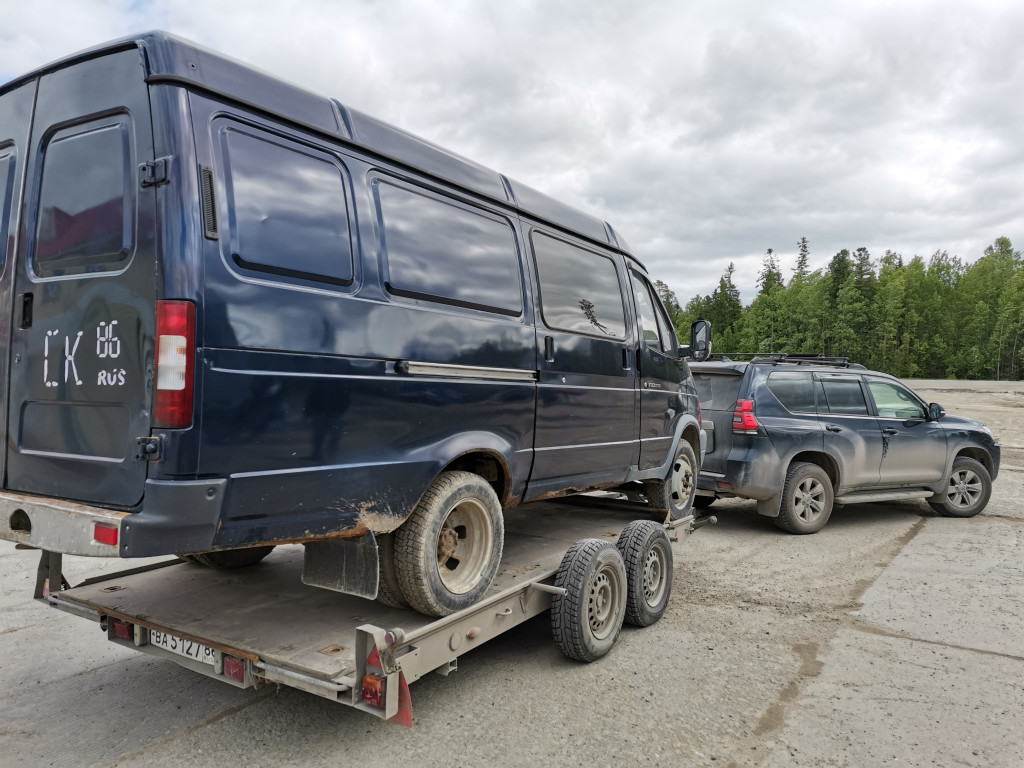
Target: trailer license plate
column 181, row 646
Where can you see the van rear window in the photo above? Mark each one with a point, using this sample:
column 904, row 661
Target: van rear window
column 440, row 251
column 287, row 211
column 85, row 216
column 579, row 289
column 6, row 185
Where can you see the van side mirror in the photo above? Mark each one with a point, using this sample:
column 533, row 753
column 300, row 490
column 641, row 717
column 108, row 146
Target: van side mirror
column 700, row 340
column 935, row 411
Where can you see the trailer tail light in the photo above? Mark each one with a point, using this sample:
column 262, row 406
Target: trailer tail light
column 743, row 419
column 175, row 364
column 234, row 668
column 374, row 688
column 105, row 534
column 123, row 630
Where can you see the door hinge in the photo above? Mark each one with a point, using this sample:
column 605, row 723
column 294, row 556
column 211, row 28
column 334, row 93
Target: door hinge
column 148, row 448
column 155, row 173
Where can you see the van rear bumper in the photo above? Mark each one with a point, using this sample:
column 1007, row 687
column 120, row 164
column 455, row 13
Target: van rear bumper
column 177, row 516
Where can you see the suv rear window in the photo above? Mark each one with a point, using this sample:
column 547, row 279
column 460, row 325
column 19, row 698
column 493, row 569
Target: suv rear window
column 794, row 389
column 717, row 391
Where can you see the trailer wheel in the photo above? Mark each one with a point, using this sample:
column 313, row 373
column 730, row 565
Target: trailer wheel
column 389, row 591
column 586, row 620
column 447, row 552
column 231, row 558
column 675, row 493
column 647, row 554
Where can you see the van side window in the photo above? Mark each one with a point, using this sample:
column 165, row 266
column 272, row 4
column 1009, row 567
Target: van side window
column 657, row 331
column 6, row 186
column 287, row 211
column 440, row 251
column 794, row 389
column 579, row 289
column 85, row 214
column 844, row 396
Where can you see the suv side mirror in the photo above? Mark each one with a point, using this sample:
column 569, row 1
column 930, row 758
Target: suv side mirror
column 935, row 411
column 700, row 340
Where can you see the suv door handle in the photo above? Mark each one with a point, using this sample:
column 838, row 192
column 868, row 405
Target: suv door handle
column 890, row 432
column 833, row 428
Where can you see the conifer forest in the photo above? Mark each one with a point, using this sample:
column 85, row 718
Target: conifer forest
column 935, row 318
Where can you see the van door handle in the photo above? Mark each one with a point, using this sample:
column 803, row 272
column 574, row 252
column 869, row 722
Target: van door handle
column 833, row 428
column 549, row 349
column 890, row 432
column 26, row 311
column 625, row 359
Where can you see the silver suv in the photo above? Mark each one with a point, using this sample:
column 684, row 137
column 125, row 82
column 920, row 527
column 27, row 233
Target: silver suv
column 800, row 434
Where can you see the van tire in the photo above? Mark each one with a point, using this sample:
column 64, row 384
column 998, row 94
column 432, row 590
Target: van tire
column 231, row 558
column 968, row 489
column 389, row 591
column 647, row 554
column 458, row 514
column 806, row 499
column 675, row 494
column 586, row 620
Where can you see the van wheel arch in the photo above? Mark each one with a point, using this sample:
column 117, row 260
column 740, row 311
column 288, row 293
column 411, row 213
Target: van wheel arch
column 491, row 466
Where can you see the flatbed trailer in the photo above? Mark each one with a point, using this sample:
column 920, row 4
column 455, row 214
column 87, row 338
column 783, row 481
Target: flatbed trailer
column 259, row 625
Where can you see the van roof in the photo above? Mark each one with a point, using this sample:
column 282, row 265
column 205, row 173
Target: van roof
column 170, row 59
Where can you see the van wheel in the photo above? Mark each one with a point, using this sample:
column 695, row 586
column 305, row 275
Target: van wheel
column 231, row 558
column 447, row 552
column 806, row 499
column 675, row 494
column 967, row 491
column 647, row 554
column 389, row 592
column 586, row 620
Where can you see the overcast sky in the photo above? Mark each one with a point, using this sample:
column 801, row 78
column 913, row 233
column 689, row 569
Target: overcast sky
column 704, row 132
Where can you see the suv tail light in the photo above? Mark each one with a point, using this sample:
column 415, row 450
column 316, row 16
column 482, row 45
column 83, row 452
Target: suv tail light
column 743, row 419
column 175, row 364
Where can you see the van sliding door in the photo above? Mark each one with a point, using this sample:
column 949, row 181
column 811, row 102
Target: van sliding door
column 84, row 288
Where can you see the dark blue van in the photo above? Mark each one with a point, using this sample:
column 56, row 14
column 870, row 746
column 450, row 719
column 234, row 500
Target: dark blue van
column 241, row 315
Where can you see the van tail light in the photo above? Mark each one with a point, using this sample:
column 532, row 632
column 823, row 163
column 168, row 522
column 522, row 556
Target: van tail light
column 743, row 419
column 175, row 364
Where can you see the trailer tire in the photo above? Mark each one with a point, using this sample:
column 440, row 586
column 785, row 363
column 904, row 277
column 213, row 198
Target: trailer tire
column 389, row 591
column 231, row 558
column 676, row 492
column 586, row 620
column 647, row 554
column 459, row 514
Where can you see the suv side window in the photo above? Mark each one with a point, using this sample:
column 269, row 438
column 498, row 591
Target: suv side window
column 85, row 217
column 794, row 389
column 579, row 289
column 895, row 402
column 844, row 396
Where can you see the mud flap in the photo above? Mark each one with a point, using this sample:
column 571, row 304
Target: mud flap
column 343, row 565
column 770, row 507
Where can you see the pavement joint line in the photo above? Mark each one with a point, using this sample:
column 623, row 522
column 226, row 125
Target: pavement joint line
column 867, row 627
column 128, row 758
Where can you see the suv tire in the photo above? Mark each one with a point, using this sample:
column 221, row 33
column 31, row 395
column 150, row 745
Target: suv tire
column 967, row 490
column 806, row 499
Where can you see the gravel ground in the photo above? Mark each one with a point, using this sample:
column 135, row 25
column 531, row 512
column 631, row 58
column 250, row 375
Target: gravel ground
column 892, row 637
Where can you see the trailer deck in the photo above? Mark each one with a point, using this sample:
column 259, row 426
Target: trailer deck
column 261, row 624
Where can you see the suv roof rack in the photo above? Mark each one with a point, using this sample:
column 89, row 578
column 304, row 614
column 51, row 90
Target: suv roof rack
column 759, row 358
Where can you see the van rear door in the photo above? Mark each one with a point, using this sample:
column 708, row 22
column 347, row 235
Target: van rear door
column 81, row 338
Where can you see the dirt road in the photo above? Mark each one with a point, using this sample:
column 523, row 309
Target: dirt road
column 891, row 637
